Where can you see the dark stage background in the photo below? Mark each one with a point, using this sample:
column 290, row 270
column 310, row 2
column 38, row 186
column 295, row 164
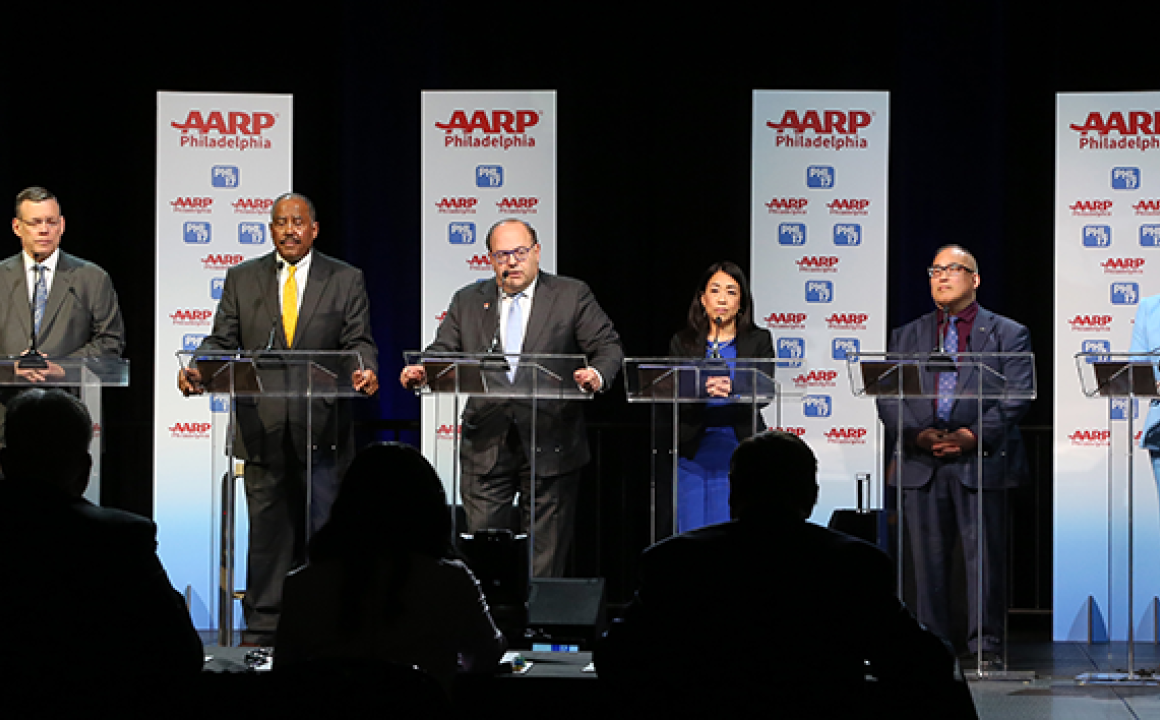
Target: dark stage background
column 654, row 160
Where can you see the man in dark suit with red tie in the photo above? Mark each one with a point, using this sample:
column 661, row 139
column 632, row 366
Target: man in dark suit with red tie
column 295, row 298
column 941, row 438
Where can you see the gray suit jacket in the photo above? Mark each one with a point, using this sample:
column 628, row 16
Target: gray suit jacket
column 82, row 318
column 565, row 319
column 335, row 315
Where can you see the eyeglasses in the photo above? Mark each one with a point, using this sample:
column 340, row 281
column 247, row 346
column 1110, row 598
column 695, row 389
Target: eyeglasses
column 952, row 270
column 520, row 254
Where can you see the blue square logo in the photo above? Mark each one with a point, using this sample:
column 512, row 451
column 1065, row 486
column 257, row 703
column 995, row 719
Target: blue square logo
column 847, row 234
column 219, row 403
column 191, row 341
column 843, row 348
column 1125, row 178
column 1097, row 236
column 1120, row 407
column 215, row 288
column 819, row 291
column 820, row 177
column 1125, row 293
column 461, row 233
column 225, row 176
column 817, row 406
column 489, row 176
column 251, row 233
column 793, row 349
column 791, row 233
column 1150, row 235
column 197, row 232
column 1096, row 346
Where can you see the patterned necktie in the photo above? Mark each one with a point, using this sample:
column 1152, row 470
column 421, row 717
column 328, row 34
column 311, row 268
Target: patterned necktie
column 290, row 306
column 513, row 340
column 948, row 380
column 39, row 297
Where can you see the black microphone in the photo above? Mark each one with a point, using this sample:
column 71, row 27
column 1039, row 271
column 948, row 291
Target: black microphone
column 940, row 360
column 717, row 322
column 33, row 359
column 499, row 363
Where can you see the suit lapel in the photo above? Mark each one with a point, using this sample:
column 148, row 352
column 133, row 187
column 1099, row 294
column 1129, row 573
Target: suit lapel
column 268, row 291
column 979, row 342
column 18, row 296
column 489, row 321
column 541, row 311
column 61, row 286
column 317, row 280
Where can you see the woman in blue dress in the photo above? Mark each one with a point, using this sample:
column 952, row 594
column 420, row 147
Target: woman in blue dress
column 720, row 325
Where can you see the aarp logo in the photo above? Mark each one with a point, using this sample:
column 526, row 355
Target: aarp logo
column 847, row 234
column 820, row 177
column 791, row 349
column 1125, row 293
column 817, row 406
column 1125, row 178
column 225, row 176
column 1097, row 236
column 1123, row 266
column 489, row 176
column 461, row 233
column 791, row 234
column 197, row 232
column 845, row 349
column 251, row 233
column 819, row 291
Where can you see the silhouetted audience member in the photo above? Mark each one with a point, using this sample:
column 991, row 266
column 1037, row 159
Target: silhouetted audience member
column 85, row 594
column 382, row 580
column 768, row 611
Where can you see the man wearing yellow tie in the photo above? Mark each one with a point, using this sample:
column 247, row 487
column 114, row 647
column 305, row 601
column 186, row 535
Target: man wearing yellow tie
column 292, row 299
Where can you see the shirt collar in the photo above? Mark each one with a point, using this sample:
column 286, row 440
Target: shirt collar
column 966, row 316
column 49, row 262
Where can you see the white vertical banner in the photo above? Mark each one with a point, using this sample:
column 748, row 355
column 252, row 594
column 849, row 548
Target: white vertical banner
column 486, row 156
column 1107, row 230
column 820, row 170
column 221, row 159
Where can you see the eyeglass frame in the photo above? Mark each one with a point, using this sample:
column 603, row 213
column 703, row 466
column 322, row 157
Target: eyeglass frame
column 520, row 254
column 952, row 270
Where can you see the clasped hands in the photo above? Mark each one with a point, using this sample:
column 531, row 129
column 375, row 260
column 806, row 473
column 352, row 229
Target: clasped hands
column 947, row 443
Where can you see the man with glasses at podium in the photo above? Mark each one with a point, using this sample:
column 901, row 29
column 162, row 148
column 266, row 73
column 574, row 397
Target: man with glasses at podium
column 938, row 470
column 525, row 311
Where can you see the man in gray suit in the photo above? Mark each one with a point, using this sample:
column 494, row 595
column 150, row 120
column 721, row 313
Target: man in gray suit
column 292, row 299
column 78, row 314
column 554, row 315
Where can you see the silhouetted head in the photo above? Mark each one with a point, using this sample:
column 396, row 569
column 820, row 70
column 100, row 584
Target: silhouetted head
column 47, row 435
column 390, row 500
column 773, row 472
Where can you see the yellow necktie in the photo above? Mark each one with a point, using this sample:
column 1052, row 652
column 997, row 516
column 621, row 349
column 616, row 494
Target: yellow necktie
column 290, row 306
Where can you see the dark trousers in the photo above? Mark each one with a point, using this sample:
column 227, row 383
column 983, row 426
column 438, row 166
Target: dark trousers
column 488, row 502
column 937, row 516
column 276, row 500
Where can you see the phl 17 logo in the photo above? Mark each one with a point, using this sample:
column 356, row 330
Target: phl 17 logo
column 847, row 234
column 1097, row 236
column 1125, row 293
column 251, row 233
column 819, row 291
column 791, row 234
column 1095, row 346
column 1125, row 178
column 820, row 177
column 1120, row 407
column 197, row 233
column 225, row 176
column 845, row 349
column 792, row 349
column 489, row 176
column 1150, row 235
column 215, row 287
column 461, row 233
column 817, row 406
